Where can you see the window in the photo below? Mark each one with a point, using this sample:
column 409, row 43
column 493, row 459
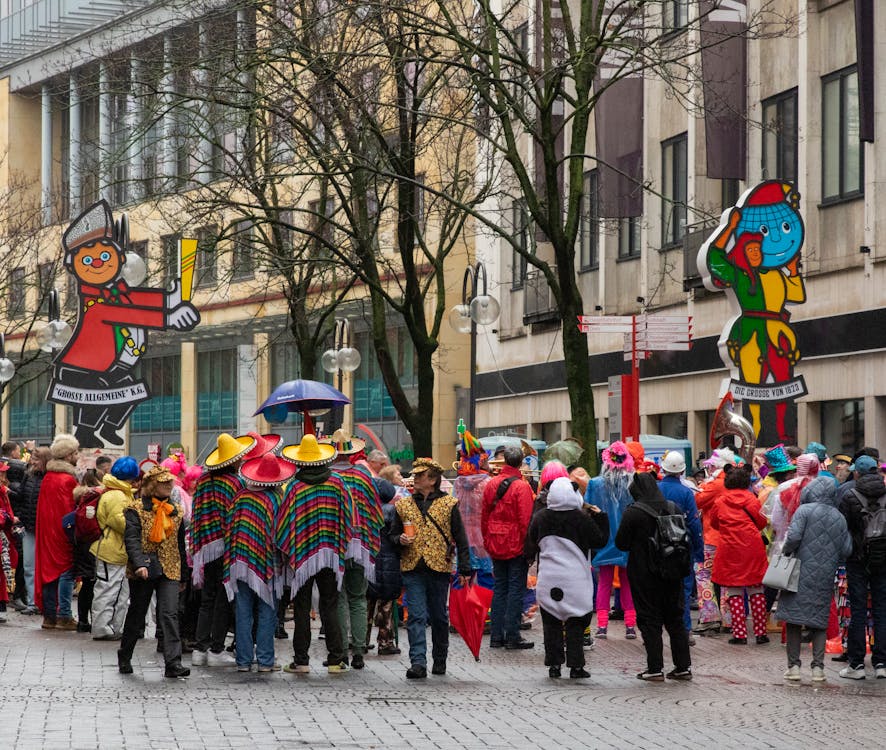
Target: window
column 629, row 237
column 730, row 192
column 520, row 226
column 675, row 15
column 169, row 261
column 119, row 141
column 217, row 389
column 419, row 207
column 324, row 229
column 842, row 425
column 780, row 137
column 31, row 416
column 242, row 262
column 842, row 168
column 90, row 150
column 70, row 293
column 207, row 273
column 589, row 237
column 162, row 413
column 46, row 275
column 674, row 180
column 15, row 300
column 521, row 78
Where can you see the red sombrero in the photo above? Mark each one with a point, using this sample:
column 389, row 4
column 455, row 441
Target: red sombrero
column 263, row 444
column 267, row 471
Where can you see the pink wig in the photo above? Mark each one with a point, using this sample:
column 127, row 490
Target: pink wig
column 617, row 457
column 552, row 470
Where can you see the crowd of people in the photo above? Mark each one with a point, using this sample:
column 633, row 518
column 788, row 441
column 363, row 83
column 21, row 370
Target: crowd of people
column 328, row 530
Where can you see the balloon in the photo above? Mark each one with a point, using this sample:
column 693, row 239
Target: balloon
column 276, row 413
column 134, row 269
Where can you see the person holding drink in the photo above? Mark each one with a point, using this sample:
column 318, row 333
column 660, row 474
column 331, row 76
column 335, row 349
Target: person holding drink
column 426, row 528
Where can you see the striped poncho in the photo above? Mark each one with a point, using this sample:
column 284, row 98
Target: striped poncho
column 251, row 543
column 366, row 515
column 213, row 497
column 313, row 530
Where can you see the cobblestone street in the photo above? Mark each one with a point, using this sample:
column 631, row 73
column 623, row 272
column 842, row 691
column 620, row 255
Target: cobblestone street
column 63, row 690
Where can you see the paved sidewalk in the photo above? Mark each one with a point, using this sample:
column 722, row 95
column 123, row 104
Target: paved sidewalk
column 62, row 690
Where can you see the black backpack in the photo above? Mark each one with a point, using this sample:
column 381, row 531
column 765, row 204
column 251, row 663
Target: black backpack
column 670, row 546
column 873, row 514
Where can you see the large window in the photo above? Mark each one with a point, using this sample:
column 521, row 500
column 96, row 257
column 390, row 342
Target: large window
column 31, row 416
column 207, row 273
column 169, row 261
column 842, row 425
column 589, row 237
column 371, row 400
column 15, row 300
column 217, row 389
column 629, row 237
column 158, row 420
column 242, row 262
column 780, row 137
column 521, row 243
column 842, row 168
column 675, row 14
column 674, row 187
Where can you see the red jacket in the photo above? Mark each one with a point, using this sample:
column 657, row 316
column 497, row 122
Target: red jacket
column 741, row 555
column 504, row 528
column 705, row 499
column 53, row 554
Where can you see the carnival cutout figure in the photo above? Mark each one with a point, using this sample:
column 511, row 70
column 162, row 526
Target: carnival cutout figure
column 94, row 373
column 754, row 254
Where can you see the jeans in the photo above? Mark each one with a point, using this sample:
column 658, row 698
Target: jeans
column 215, row 610
column 327, row 585
column 29, row 543
column 352, row 606
column 263, row 646
column 859, row 581
column 554, row 641
column 427, row 592
column 507, row 599
column 140, row 593
column 57, row 596
column 819, row 639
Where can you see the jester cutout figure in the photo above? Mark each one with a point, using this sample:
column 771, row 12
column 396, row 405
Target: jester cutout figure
column 754, row 255
column 96, row 372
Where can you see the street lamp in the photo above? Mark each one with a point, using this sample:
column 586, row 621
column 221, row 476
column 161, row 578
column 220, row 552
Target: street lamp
column 7, row 368
column 341, row 358
column 477, row 307
column 57, row 332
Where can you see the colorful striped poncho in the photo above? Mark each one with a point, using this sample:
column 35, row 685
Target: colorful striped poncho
column 313, row 530
column 366, row 515
column 213, row 497
column 251, row 543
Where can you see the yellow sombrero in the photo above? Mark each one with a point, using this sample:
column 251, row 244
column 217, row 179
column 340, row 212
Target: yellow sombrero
column 345, row 444
column 230, row 449
column 309, row 452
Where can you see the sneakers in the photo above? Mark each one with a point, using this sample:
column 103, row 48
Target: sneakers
column 684, row 675
column 221, row 659
column 578, row 673
column 388, row 651
column 275, row 667
column 416, row 672
column 600, row 634
column 294, row 668
column 631, row 633
column 554, row 672
column 818, row 674
column 880, row 671
column 651, row 676
column 198, row 658
column 244, row 667
column 588, row 642
column 793, row 673
column 520, row 644
column 692, row 640
column 853, row 673
column 338, row 668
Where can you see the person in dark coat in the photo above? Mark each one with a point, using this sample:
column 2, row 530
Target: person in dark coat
column 658, row 602
column 562, row 535
column 24, row 505
column 382, row 594
column 863, row 573
column 819, row 539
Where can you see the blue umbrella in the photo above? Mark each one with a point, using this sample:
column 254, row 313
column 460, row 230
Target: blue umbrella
column 302, row 396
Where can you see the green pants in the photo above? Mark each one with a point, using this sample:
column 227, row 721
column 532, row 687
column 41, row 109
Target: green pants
column 352, row 606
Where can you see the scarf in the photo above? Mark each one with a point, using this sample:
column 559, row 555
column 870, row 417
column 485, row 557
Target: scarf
column 366, row 518
column 313, row 531
column 251, row 545
column 162, row 523
column 213, row 497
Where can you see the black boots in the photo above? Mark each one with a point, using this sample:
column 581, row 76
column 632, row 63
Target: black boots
column 124, row 662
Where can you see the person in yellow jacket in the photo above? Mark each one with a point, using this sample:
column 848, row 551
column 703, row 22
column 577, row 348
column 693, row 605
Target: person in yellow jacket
column 427, row 529
column 111, row 597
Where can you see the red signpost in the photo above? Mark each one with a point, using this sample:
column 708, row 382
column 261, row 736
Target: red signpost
column 643, row 334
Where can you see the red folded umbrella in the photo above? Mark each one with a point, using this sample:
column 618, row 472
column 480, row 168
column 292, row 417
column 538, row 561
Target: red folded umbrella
column 467, row 613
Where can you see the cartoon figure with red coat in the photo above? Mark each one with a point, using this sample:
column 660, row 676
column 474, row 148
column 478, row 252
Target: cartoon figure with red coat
column 94, row 373
column 754, row 254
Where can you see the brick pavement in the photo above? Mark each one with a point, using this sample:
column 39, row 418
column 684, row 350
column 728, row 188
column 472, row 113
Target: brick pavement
column 62, row 690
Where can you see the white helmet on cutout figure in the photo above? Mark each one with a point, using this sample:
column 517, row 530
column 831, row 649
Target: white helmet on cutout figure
column 673, row 463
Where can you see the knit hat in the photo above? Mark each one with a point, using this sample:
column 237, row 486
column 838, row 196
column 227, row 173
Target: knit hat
column 819, row 450
column 309, row 452
column 229, row 450
column 267, row 471
column 807, row 465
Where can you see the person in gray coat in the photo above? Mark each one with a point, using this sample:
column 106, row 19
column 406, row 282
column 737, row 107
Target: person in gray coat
column 819, row 538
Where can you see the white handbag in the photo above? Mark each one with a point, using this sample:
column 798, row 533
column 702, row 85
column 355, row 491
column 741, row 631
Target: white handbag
column 783, row 573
